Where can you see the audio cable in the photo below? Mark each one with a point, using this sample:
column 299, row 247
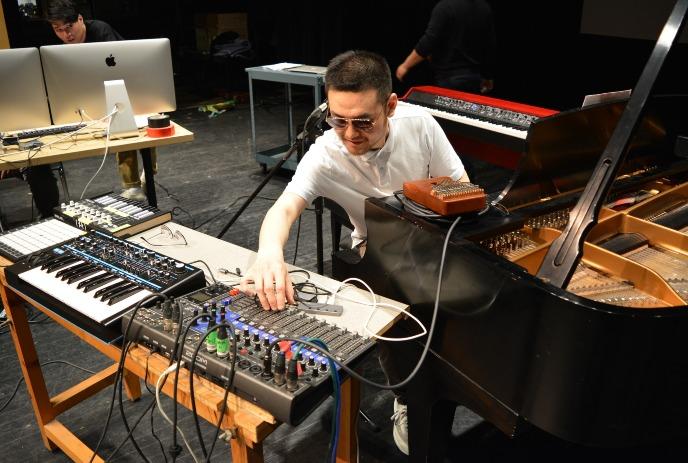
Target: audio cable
column 336, row 386
column 426, row 346
column 107, row 149
column 158, row 386
column 118, row 375
column 153, row 403
column 230, row 378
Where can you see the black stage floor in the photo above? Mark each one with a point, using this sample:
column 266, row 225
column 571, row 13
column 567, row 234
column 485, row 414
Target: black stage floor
column 203, row 183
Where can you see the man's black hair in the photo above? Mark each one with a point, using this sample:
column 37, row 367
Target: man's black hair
column 65, row 11
column 357, row 71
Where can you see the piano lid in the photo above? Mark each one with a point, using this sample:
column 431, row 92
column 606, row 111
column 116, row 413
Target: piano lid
column 562, row 150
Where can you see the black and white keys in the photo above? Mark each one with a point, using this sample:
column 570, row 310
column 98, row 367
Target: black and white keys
column 93, row 280
column 89, row 288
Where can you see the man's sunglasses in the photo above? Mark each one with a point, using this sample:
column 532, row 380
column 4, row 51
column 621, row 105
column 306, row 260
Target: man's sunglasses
column 362, row 124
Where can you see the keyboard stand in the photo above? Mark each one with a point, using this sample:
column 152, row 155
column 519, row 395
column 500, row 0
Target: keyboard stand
column 46, row 408
column 247, row 424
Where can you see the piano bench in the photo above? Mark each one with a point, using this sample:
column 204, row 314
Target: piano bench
column 338, row 217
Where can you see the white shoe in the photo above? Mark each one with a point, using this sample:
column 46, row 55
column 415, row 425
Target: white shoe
column 134, row 193
column 400, row 431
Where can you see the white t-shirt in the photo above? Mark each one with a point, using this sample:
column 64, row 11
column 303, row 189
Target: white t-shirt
column 416, row 148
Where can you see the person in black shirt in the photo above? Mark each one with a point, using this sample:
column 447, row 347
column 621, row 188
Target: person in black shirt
column 71, row 27
column 459, row 43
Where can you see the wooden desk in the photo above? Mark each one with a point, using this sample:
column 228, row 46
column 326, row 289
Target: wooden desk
column 89, row 143
column 249, row 424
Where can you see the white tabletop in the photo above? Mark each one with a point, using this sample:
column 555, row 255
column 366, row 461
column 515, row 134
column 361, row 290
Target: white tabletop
column 219, row 254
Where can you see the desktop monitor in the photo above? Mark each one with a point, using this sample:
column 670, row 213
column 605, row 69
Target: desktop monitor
column 23, row 104
column 75, row 76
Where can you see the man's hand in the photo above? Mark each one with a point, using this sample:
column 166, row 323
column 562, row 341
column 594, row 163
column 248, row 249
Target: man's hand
column 271, row 282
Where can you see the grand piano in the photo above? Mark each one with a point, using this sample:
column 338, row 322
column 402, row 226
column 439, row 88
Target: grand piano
column 597, row 358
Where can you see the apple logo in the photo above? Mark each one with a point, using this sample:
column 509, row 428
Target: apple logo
column 110, row 60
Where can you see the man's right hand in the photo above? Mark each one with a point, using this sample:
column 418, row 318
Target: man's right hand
column 271, row 282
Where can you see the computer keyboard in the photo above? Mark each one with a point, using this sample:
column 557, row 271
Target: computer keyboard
column 36, row 133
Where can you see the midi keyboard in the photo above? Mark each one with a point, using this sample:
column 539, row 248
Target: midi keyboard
column 93, row 280
column 111, row 213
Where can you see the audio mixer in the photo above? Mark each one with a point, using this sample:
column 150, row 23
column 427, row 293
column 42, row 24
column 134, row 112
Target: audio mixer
column 112, row 213
column 92, row 280
column 288, row 387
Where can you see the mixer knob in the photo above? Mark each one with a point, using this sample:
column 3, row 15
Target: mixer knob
column 179, row 267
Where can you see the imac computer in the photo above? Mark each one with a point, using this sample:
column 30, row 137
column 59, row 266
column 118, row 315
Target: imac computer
column 23, row 104
column 75, row 77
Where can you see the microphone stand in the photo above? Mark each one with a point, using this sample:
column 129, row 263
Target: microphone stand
column 299, row 139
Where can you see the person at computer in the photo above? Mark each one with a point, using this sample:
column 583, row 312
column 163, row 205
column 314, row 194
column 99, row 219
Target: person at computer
column 71, row 27
column 374, row 145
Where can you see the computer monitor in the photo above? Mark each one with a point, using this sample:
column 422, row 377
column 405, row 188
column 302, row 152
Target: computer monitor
column 75, row 76
column 23, row 104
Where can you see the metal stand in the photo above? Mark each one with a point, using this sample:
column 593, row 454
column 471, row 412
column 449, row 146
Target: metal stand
column 270, row 174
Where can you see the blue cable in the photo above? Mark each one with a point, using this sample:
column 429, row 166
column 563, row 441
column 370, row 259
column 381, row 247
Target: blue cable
column 336, row 386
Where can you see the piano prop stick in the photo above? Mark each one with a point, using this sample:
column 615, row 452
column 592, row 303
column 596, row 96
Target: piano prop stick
column 446, row 196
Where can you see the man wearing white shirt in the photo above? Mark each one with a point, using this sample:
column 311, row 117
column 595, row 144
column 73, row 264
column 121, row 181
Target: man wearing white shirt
column 374, row 146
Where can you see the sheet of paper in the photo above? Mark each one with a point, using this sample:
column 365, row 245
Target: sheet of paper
column 281, row 66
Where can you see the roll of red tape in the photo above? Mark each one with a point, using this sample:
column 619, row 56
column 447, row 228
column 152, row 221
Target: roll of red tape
column 157, row 132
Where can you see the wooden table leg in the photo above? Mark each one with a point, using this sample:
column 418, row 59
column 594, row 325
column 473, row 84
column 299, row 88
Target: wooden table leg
column 242, row 453
column 132, row 385
column 249, row 424
column 347, row 445
column 28, row 360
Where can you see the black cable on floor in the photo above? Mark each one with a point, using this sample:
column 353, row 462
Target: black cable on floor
column 16, row 387
column 152, row 425
column 120, row 367
column 122, row 413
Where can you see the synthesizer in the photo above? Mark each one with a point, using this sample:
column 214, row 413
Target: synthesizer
column 93, row 280
column 446, row 196
column 478, row 126
column 111, row 213
column 28, row 239
column 491, row 114
column 286, row 385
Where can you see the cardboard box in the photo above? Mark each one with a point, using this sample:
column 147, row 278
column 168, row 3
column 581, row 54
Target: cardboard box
column 210, row 25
